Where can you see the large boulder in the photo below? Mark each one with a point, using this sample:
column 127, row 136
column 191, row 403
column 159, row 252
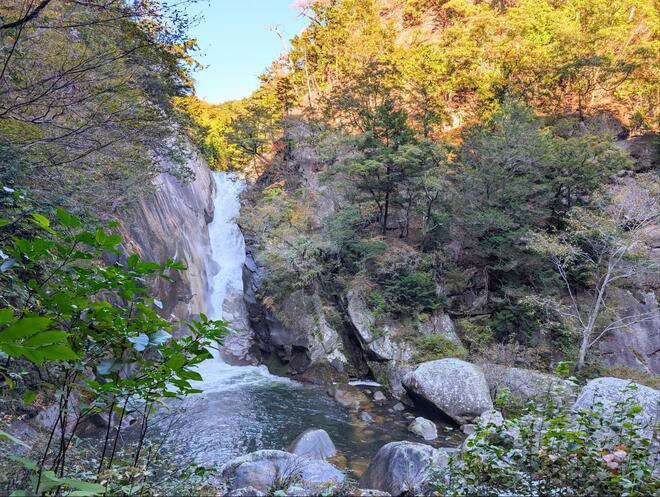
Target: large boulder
column 610, row 391
column 315, row 444
column 264, row 468
column 525, row 383
column 456, row 388
column 403, row 468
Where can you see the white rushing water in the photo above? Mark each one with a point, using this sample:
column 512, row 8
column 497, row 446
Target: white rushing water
column 225, row 275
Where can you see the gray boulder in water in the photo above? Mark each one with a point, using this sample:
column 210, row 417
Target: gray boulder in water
column 315, row 444
column 424, row 428
column 403, row 467
column 456, row 388
column 263, row 468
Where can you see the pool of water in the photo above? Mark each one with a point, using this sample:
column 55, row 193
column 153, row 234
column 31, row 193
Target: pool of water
column 244, row 409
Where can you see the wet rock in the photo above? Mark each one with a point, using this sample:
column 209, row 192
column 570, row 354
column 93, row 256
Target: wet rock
column 610, row 391
column 246, row 492
column 348, row 396
column 424, row 428
column 403, row 467
column 365, row 417
column 239, row 346
column 261, row 469
column 315, row 444
column 379, row 396
column 456, row 388
column 256, row 474
column 399, row 407
column 369, row 492
column 525, row 383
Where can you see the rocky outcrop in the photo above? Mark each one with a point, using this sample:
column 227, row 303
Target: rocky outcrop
column 264, row 469
column 301, row 336
column 315, row 444
column 404, row 468
column 172, row 223
column 239, row 347
column 522, row 384
column 611, row 391
column 637, row 346
column 456, row 388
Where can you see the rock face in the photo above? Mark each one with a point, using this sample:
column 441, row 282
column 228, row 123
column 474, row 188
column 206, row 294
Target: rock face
column 301, row 337
column 610, row 391
column 524, row 383
column 424, row 428
column 172, row 222
column 315, row 444
column 403, row 468
column 239, row 347
column 456, row 388
column 638, row 345
column 262, row 470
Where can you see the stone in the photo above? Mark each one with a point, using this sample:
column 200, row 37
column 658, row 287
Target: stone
column 525, row 383
column 403, row 468
column 370, row 492
column 610, row 391
column 399, row 407
column 635, row 346
column 238, row 347
column 491, row 417
column 246, row 492
column 296, row 491
column 469, row 428
column 349, row 396
column 261, row 469
column 315, row 444
column 365, row 417
column 379, row 396
column 424, row 428
column 456, row 388
column 256, row 474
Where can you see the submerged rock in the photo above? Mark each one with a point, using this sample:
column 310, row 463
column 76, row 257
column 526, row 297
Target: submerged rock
column 264, row 468
column 379, row 396
column 348, row 396
column 456, row 388
column 403, row 467
column 315, row 444
column 365, row 417
column 424, row 428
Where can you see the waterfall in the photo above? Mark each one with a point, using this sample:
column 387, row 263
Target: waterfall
column 225, row 276
column 227, row 243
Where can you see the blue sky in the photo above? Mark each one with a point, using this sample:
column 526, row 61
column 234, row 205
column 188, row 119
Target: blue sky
column 236, row 44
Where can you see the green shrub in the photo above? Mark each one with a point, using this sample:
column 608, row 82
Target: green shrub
column 438, row 346
column 547, row 449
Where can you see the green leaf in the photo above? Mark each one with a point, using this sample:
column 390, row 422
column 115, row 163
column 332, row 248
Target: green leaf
column 45, row 338
column 176, row 361
column 58, row 353
column 40, row 220
column 132, row 261
column 67, row 219
column 29, row 396
column 6, row 315
column 24, row 328
column 10, row 438
column 4, row 222
column 84, row 487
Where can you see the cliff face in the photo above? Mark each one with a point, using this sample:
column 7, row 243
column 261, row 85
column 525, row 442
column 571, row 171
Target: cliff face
column 172, row 222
